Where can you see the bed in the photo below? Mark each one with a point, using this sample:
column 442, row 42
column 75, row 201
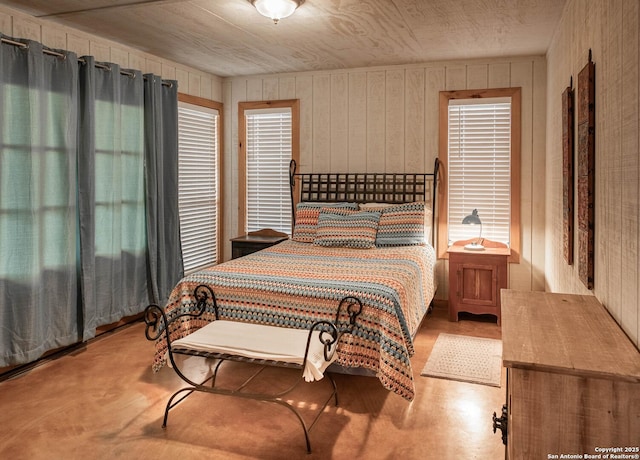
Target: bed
column 339, row 247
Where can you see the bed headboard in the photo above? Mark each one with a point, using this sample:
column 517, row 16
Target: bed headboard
column 393, row 188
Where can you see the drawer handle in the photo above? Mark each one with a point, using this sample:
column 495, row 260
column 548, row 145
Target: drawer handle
column 501, row 423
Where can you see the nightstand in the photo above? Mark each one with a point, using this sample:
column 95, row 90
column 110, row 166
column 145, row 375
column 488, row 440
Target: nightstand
column 476, row 277
column 255, row 241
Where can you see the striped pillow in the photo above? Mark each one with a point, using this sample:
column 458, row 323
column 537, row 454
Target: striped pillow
column 345, row 228
column 402, row 225
column 307, row 218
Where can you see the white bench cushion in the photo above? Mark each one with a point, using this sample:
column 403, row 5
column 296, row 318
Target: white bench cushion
column 258, row 341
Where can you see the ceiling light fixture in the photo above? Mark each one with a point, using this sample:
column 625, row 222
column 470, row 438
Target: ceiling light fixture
column 276, row 9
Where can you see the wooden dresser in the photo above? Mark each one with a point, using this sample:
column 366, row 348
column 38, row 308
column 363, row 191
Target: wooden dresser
column 573, row 378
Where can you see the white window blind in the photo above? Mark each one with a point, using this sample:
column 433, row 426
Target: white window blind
column 198, row 185
column 479, row 169
column 268, row 146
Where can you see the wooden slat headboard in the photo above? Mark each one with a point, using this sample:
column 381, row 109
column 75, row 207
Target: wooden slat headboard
column 393, row 188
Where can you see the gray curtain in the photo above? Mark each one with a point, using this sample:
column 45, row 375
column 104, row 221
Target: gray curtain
column 161, row 158
column 38, row 127
column 80, row 144
column 113, row 241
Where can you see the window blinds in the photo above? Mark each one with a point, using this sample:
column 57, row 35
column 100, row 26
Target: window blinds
column 198, row 185
column 479, row 170
column 268, row 147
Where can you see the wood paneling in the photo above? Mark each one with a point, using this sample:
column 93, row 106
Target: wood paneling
column 478, row 76
column 611, row 31
column 194, row 84
column 205, row 88
column 357, row 122
column 155, row 66
column 304, row 92
column 321, row 130
column 168, row 70
column 100, row 50
column 54, row 37
column 499, row 75
column 137, row 62
column 287, row 87
column 6, row 23
column 254, row 90
column 538, row 168
column 394, row 135
column 435, row 82
column 630, row 159
column 25, row 27
column 456, row 77
column 522, row 76
column 414, row 114
column 376, row 121
column 270, row 90
column 339, row 106
column 381, row 119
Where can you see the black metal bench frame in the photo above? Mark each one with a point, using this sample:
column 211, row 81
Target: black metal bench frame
column 330, row 333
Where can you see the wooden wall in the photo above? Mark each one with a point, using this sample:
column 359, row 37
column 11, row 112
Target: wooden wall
column 611, row 30
column 386, row 119
column 190, row 81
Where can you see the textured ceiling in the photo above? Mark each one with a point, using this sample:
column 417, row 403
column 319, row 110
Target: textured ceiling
column 230, row 38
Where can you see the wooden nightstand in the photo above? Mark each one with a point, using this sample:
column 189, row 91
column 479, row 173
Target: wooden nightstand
column 476, row 277
column 255, row 241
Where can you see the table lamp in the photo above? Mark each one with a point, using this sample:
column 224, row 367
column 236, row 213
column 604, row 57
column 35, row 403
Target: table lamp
column 474, row 219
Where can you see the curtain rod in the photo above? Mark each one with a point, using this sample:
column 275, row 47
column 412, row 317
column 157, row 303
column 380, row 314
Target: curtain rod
column 55, row 53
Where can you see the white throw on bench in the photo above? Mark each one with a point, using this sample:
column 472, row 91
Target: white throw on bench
column 258, row 342
column 309, row 350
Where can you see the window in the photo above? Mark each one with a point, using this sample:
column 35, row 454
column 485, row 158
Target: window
column 198, row 180
column 480, row 148
column 269, row 139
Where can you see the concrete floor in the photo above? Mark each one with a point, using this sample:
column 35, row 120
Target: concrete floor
column 103, row 401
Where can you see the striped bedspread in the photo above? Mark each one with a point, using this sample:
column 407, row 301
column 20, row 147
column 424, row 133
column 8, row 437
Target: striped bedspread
column 295, row 284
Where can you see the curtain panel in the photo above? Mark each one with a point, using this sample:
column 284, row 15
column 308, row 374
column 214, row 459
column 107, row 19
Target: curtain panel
column 112, row 214
column 76, row 250
column 38, row 135
column 161, row 157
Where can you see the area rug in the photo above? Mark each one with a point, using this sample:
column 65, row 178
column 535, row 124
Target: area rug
column 467, row 359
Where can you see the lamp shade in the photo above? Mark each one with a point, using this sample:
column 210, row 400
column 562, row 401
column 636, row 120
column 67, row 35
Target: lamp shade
column 276, row 9
column 472, row 219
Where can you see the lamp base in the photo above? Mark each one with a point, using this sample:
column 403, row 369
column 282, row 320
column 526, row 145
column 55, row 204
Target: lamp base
column 474, row 247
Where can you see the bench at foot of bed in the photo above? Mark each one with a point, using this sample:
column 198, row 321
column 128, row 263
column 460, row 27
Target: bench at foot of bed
column 310, row 351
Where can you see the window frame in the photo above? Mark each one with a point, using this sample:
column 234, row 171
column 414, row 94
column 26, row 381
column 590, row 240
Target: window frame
column 210, row 104
column 294, row 105
column 515, row 94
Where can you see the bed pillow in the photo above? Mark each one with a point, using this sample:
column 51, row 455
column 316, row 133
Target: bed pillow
column 349, row 229
column 403, row 225
column 307, row 214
